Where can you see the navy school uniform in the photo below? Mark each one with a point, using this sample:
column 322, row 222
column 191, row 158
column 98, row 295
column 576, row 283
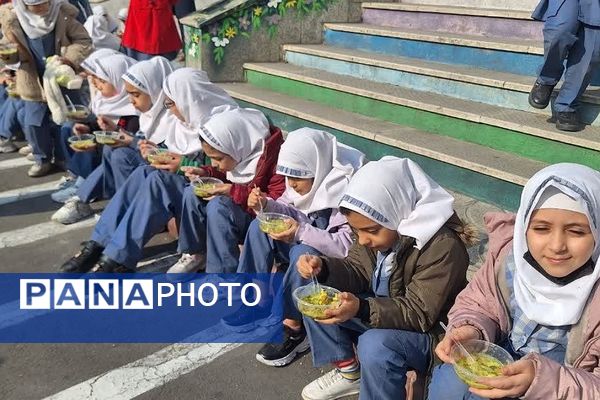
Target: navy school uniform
column 140, row 209
column 571, row 32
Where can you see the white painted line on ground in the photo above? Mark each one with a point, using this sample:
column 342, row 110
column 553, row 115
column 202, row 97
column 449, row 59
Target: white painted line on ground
column 11, row 196
column 14, row 163
column 33, row 233
column 147, row 373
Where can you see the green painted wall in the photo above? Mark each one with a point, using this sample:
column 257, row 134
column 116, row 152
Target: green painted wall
column 491, row 136
column 491, row 190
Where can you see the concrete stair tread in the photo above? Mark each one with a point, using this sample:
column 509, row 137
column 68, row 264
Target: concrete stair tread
column 444, row 9
column 498, row 164
column 485, row 42
column 467, row 74
column 520, row 121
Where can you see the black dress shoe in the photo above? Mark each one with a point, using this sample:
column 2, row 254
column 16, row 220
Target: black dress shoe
column 110, row 266
column 539, row 97
column 568, row 121
column 84, row 260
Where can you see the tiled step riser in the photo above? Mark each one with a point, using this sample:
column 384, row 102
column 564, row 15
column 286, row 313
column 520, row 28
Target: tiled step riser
column 525, row 5
column 504, row 61
column 453, row 126
column 468, row 91
column 463, row 24
column 492, row 190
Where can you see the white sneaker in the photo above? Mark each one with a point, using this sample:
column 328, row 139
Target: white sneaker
column 67, row 190
column 188, row 263
column 73, row 210
column 7, row 146
column 330, row 386
column 25, row 150
column 40, row 169
column 30, row 157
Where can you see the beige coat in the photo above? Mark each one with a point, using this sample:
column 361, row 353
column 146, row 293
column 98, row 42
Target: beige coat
column 71, row 39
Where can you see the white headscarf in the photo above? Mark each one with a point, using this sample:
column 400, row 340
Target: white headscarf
column 36, row 26
column 148, row 76
column 396, row 193
column 194, row 95
column 100, row 26
column 196, row 98
column 541, row 300
column 241, row 134
column 89, row 63
column 310, row 153
column 111, row 69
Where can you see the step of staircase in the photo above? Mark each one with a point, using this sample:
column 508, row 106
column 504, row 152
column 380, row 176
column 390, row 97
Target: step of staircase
column 522, row 5
column 490, row 87
column 491, row 126
column 480, row 172
column 517, row 56
column 475, row 21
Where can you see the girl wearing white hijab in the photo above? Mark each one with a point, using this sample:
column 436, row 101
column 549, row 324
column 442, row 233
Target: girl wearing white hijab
column 317, row 170
column 399, row 279
column 102, row 28
column 537, row 294
column 38, row 27
column 114, row 112
column 152, row 195
column 243, row 149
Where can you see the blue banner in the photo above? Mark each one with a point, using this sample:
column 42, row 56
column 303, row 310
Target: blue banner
column 141, row 308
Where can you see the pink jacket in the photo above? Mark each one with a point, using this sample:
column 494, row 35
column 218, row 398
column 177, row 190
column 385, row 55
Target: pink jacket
column 483, row 304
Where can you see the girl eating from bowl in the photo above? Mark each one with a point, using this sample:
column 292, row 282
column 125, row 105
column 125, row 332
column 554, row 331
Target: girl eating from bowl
column 317, row 170
column 114, row 113
column 398, row 280
column 243, row 149
column 152, row 194
column 536, row 295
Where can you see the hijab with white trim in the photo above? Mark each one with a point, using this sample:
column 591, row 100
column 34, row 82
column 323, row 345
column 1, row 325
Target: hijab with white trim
column 100, row 26
column 36, row 26
column 197, row 99
column 541, row 300
column 148, row 77
column 111, row 69
column 240, row 133
column 310, row 153
column 397, row 194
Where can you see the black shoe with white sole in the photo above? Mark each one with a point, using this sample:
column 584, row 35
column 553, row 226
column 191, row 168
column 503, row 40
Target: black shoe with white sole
column 281, row 354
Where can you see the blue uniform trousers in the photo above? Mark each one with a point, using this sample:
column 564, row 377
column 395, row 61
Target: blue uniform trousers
column 140, row 209
column 116, row 167
column 385, row 355
column 216, row 227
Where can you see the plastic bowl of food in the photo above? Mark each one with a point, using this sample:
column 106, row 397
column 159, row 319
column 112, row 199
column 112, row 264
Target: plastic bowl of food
column 486, row 362
column 159, row 156
column 78, row 113
column 82, row 142
column 313, row 300
column 273, row 222
column 203, row 185
column 9, row 53
column 107, row 137
column 11, row 90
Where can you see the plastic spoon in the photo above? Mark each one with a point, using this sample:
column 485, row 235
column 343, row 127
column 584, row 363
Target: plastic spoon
column 70, row 102
column 460, row 346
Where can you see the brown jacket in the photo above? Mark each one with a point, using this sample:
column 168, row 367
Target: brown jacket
column 423, row 283
column 71, row 41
